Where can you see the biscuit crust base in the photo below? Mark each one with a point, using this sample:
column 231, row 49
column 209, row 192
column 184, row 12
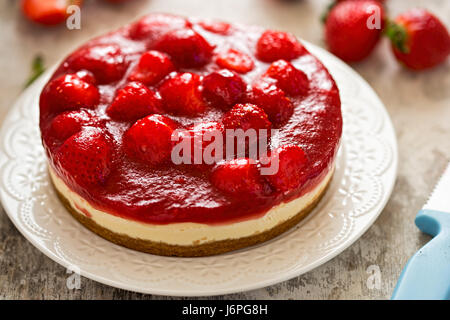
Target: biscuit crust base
column 201, row 250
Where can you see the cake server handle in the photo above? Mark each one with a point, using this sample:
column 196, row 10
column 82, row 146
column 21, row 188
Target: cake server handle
column 427, row 273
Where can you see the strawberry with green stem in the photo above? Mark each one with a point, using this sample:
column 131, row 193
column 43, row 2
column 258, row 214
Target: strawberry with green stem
column 419, row 39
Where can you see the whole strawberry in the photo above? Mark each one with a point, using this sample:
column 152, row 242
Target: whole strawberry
column 85, row 157
column 48, row 12
column 353, row 28
column 419, row 39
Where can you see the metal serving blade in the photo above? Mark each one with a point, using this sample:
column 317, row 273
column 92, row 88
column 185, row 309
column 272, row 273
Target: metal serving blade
column 440, row 197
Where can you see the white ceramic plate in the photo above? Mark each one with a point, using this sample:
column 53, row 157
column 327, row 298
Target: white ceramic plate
column 365, row 175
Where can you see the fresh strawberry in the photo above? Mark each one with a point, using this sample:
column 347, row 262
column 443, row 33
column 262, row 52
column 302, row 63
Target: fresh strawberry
column 187, row 48
column 105, row 61
column 134, row 101
column 246, row 116
column 291, row 161
column 153, row 26
column 266, row 95
column 239, row 177
column 152, row 67
column 350, row 29
column 49, row 12
column 218, row 27
column 223, row 88
column 291, row 80
column 202, row 135
column 181, row 94
column 419, row 39
column 68, row 123
column 149, row 139
column 235, row 60
column 275, row 45
column 86, row 157
column 68, row 92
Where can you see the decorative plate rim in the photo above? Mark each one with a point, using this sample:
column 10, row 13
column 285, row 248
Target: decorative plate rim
column 380, row 130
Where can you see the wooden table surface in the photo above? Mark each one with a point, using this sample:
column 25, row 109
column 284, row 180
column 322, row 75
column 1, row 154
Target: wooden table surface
column 419, row 105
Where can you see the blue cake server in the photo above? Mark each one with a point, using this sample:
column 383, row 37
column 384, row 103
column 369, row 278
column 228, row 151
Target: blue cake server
column 427, row 273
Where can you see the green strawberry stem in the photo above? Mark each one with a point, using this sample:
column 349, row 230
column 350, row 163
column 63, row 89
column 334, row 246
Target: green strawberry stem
column 37, row 68
column 398, row 35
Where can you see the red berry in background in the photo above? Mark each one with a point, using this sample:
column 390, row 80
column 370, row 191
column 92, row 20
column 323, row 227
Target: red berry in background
column 419, row 39
column 86, row 157
column 235, row 60
column 152, row 67
column 350, row 29
column 68, row 92
column 275, row 45
column 291, row 80
column 149, row 139
column 223, row 88
column 134, row 101
column 266, row 95
column 291, row 161
column 218, row 27
column 105, row 61
column 49, row 12
column 246, row 116
column 238, row 177
column 181, row 94
column 186, row 47
column 153, row 26
column 68, row 123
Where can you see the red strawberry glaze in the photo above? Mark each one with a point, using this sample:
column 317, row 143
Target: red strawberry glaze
column 168, row 193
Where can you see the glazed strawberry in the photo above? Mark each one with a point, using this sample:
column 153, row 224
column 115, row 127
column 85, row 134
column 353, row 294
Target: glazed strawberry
column 105, row 61
column 187, row 48
column 68, row 123
column 266, row 95
column 235, row 60
column 203, row 135
column 149, row 139
column 181, row 94
column 49, row 12
column 86, row 76
column 275, row 45
column 68, row 92
column 291, row 80
column 153, row 26
column 291, row 161
column 348, row 30
column 246, row 116
column 152, row 67
column 134, row 101
column 218, row 27
column 223, row 88
column 419, row 39
column 86, row 157
column 239, row 177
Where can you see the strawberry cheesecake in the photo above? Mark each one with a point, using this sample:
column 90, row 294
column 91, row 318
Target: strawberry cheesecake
column 111, row 110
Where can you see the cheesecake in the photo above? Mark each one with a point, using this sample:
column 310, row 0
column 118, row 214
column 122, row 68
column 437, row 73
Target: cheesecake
column 184, row 137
